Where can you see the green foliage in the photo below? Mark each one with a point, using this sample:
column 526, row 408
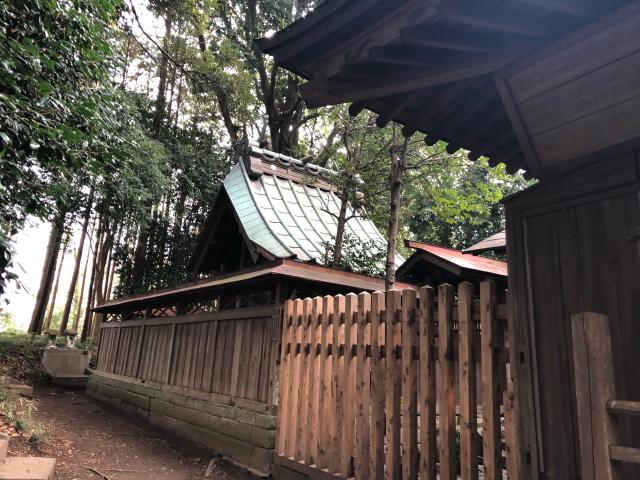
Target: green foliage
column 359, row 256
column 7, row 323
column 457, row 203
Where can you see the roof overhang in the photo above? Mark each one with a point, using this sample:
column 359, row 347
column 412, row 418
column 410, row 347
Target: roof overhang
column 429, row 64
column 453, row 261
column 281, row 268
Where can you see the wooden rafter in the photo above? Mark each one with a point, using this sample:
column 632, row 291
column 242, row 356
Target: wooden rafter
column 427, row 36
column 400, row 55
column 435, row 105
column 576, row 8
column 385, row 117
column 322, row 92
column 498, row 21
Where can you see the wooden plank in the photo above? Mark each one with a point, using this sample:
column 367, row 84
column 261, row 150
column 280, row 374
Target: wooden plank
column 272, row 388
column 624, row 454
column 614, row 36
column 510, row 433
column 409, row 426
column 313, row 405
column 467, row 378
column 294, row 393
column 237, row 356
column 170, row 353
column 321, row 92
column 349, row 385
column 623, row 408
column 325, row 408
column 362, row 454
column 338, row 366
column 284, row 375
column 446, row 384
column 376, row 469
column 392, row 386
column 491, row 449
column 211, row 357
column 302, row 429
column 578, row 98
column 233, row 314
column 427, row 384
column 595, row 386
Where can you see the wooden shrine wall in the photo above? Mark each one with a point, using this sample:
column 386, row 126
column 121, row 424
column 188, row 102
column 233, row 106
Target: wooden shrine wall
column 232, row 352
column 570, row 250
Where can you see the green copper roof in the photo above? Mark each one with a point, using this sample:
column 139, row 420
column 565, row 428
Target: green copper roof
column 291, row 217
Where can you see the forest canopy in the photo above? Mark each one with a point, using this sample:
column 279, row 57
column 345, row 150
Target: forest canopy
column 118, row 120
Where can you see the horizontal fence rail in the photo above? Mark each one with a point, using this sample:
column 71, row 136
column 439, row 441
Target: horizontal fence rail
column 408, row 385
column 233, row 352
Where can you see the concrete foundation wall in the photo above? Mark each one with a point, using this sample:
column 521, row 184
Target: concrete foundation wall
column 240, row 430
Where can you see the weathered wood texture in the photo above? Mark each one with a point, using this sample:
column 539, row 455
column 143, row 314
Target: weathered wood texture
column 569, row 251
column 581, row 95
column 378, row 406
column 232, row 355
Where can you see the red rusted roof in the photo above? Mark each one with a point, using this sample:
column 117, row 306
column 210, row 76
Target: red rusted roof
column 461, row 260
column 282, row 268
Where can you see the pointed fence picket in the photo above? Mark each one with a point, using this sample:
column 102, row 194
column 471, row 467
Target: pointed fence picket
column 388, row 387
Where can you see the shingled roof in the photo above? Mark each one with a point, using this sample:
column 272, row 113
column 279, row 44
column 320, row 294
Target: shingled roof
column 286, row 208
column 461, row 265
column 495, row 243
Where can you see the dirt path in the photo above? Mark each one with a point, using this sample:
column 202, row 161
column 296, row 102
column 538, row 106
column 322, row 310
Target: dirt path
column 83, row 433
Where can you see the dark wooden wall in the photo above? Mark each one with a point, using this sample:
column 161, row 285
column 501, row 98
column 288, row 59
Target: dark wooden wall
column 569, row 251
column 580, row 95
column 232, row 353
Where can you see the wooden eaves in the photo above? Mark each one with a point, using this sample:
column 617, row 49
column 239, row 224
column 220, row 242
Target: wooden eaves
column 282, row 268
column 427, row 64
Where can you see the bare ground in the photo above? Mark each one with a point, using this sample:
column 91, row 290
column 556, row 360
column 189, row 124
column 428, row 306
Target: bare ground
column 94, row 441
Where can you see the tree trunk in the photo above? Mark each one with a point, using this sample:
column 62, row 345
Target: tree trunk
column 76, row 268
column 48, row 271
column 342, row 222
column 90, row 294
column 76, row 319
column 398, row 166
column 161, row 101
column 105, row 250
column 140, row 256
column 54, row 294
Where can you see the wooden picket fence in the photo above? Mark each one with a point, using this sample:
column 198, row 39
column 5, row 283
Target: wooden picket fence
column 349, row 406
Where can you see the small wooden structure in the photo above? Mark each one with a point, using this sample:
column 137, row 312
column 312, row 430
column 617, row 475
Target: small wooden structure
column 550, row 87
column 434, row 265
column 496, row 243
column 201, row 359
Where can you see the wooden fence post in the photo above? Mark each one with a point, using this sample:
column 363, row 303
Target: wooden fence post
column 446, row 384
column 294, row 376
column 392, row 386
column 377, row 388
column 427, row 374
column 313, row 402
column 362, row 390
column 467, row 378
column 304, row 382
column 338, row 366
column 349, row 385
column 595, row 386
column 325, row 447
column 286, row 353
column 409, row 424
column 491, row 451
